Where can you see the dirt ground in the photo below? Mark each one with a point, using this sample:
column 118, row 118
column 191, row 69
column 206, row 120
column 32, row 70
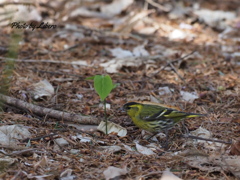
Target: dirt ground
column 180, row 52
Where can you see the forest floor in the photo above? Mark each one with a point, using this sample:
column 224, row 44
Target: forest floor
column 175, row 56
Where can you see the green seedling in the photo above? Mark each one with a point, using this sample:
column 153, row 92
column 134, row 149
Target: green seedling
column 103, row 85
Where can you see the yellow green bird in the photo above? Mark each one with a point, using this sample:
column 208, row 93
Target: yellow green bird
column 155, row 117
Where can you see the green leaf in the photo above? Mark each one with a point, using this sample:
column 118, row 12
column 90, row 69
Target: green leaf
column 103, row 85
column 90, row 78
column 115, row 85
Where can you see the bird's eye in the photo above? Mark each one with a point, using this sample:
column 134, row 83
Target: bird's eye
column 127, row 107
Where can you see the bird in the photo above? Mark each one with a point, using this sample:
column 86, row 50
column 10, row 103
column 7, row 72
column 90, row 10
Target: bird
column 154, row 117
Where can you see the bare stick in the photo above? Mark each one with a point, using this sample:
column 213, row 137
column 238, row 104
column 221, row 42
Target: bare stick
column 59, row 115
column 40, row 61
column 3, row 59
column 38, row 138
column 173, row 61
column 159, row 6
column 16, row 3
column 179, row 59
column 205, row 139
column 175, row 70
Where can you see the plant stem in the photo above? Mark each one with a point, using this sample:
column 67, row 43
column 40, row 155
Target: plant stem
column 7, row 73
column 105, row 114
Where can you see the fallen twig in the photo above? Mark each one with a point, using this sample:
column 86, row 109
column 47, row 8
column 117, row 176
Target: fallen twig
column 159, row 6
column 38, row 138
column 59, row 115
column 205, row 139
column 17, row 3
column 175, row 70
column 172, row 61
column 24, row 151
column 41, row 61
column 59, row 73
column 12, row 147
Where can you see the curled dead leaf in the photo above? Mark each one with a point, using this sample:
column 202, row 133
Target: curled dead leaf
column 168, row 175
column 41, row 89
column 112, row 127
column 144, row 150
column 235, row 148
column 112, row 172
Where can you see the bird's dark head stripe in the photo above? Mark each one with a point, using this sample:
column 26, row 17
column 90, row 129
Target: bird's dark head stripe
column 130, row 104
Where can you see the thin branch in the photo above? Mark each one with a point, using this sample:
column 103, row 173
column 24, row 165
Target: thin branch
column 38, row 138
column 205, row 139
column 12, row 147
column 175, row 60
column 159, row 6
column 175, row 70
column 58, row 73
column 156, row 57
column 41, row 61
column 59, row 115
column 170, row 63
column 16, row 3
column 179, row 59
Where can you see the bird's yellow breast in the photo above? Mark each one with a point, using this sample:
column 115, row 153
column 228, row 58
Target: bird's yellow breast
column 142, row 124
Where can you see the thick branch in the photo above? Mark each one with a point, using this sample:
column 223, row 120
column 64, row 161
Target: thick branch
column 41, row 111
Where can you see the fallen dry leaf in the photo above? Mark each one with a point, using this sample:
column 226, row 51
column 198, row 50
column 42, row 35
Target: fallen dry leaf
column 168, row 175
column 112, row 172
column 112, row 127
column 215, row 163
column 116, row 7
column 9, row 134
column 144, row 150
column 42, row 163
column 41, row 89
column 235, row 148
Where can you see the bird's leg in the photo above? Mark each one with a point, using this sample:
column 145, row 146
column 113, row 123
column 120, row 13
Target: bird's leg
column 154, row 134
column 165, row 146
column 185, row 129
